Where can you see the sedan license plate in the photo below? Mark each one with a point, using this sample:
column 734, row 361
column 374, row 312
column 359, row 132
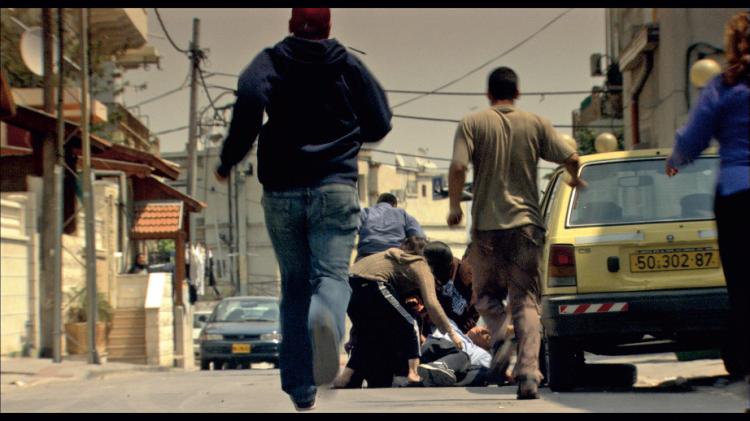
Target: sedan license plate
column 240, row 348
column 674, row 259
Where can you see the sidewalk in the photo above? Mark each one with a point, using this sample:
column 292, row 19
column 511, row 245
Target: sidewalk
column 26, row 372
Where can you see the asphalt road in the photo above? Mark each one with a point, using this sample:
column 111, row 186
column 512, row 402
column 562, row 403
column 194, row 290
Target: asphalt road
column 659, row 388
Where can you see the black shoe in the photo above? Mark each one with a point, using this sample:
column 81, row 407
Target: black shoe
column 305, row 406
column 325, row 351
column 436, row 374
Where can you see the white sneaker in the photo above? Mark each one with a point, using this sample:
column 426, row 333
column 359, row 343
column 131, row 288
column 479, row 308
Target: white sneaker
column 436, row 374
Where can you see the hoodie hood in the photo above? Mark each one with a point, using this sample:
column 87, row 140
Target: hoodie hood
column 402, row 257
column 307, row 52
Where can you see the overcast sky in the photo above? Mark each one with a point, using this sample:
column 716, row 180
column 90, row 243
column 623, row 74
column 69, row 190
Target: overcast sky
column 411, row 49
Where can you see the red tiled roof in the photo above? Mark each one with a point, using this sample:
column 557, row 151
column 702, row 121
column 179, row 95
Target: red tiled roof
column 158, row 218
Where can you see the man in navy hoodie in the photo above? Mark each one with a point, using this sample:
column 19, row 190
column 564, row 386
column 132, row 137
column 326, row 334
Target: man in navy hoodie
column 322, row 104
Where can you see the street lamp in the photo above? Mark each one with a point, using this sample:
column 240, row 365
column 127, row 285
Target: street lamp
column 703, row 71
column 569, row 140
column 605, row 142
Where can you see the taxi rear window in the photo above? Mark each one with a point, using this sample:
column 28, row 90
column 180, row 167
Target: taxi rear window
column 638, row 191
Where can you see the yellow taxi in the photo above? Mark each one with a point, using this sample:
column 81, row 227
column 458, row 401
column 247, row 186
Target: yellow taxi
column 631, row 263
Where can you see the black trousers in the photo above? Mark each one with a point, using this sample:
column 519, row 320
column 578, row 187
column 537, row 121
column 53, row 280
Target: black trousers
column 386, row 334
column 734, row 230
column 445, row 351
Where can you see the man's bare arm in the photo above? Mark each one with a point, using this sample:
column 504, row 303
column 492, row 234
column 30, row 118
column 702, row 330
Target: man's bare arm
column 456, row 180
column 572, row 164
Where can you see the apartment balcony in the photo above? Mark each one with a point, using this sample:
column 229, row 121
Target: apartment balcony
column 115, row 29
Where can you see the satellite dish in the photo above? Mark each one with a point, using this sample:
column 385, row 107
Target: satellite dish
column 32, row 51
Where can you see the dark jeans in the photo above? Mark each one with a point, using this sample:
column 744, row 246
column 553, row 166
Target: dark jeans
column 732, row 223
column 442, row 350
column 313, row 232
column 387, row 336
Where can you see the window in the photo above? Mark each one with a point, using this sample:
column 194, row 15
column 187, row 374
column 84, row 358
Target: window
column 638, row 191
column 246, row 310
column 549, row 196
column 424, row 190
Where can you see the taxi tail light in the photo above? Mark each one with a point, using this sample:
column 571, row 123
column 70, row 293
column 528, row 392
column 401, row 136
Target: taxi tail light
column 562, row 266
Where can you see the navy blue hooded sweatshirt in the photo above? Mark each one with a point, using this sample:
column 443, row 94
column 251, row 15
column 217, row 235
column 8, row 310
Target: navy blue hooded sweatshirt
column 322, row 104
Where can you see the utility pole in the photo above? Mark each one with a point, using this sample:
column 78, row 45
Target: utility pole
column 195, row 58
column 49, row 239
column 57, row 345
column 232, row 253
column 88, row 194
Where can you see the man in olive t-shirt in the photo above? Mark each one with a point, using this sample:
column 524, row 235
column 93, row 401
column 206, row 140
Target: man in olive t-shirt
column 504, row 145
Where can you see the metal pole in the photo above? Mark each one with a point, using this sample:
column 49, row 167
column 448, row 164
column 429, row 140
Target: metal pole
column 88, row 194
column 57, row 345
column 48, row 230
column 195, row 58
column 231, row 253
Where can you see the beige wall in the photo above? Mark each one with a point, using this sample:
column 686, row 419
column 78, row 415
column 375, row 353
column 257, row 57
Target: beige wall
column 15, row 248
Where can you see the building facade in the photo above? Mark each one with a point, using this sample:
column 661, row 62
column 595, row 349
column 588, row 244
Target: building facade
column 655, row 48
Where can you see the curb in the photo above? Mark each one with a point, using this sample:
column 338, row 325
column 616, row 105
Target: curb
column 99, row 374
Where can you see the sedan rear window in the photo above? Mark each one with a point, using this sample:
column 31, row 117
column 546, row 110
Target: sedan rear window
column 638, row 191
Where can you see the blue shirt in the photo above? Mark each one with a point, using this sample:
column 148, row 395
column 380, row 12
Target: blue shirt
column 722, row 113
column 383, row 226
column 477, row 355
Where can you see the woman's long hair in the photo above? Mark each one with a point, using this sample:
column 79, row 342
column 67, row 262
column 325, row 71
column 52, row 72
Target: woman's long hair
column 737, row 49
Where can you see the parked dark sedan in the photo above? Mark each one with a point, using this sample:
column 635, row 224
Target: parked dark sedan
column 240, row 331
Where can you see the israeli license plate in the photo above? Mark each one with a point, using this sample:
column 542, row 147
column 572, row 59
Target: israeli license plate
column 674, row 259
column 240, row 348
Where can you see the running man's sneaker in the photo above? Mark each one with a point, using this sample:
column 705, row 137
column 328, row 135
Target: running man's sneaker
column 436, row 374
column 501, row 353
column 325, row 350
column 305, row 406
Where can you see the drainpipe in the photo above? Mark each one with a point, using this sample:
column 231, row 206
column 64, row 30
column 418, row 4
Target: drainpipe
column 634, row 112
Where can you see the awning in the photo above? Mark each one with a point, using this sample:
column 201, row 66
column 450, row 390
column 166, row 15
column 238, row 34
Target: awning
column 149, row 188
column 157, row 220
column 123, row 153
column 37, row 121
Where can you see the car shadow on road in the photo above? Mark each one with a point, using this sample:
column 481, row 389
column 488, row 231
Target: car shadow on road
column 622, row 378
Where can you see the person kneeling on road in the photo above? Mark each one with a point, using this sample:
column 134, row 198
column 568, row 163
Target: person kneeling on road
column 387, row 335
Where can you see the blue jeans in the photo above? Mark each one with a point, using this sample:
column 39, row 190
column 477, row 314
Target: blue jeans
column 313, row 232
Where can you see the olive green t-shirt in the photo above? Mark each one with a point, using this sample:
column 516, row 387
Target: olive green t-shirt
column 504, row 145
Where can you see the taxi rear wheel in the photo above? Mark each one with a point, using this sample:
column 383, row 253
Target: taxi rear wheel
column 732, row 362
column 563, row 361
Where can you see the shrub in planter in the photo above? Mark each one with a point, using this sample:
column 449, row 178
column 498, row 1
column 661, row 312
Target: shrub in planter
column 77, row 314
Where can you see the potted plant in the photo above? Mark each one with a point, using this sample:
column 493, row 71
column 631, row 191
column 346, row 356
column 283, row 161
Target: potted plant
column 77, row 314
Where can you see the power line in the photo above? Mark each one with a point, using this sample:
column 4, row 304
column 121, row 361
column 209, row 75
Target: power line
column 434, row 158
column 164, row 28
column 483, row 65
column 540, row 93
column 449, row 120
column 208, row 95
column 177, row 129
column 419, row 92
column 158, row 97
